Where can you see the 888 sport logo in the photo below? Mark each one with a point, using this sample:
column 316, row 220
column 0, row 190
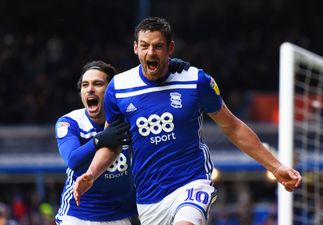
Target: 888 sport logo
column 118, row 168
column 155, row 124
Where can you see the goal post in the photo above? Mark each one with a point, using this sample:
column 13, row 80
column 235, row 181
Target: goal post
column 300, row 133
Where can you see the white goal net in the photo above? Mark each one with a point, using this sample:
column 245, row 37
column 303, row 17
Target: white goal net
column 301, row 134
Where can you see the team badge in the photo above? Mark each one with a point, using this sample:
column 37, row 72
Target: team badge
column 61, row 129
column 176, row 100
column 214, row 86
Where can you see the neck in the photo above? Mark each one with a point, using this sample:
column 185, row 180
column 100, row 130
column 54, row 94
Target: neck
column 100, row 120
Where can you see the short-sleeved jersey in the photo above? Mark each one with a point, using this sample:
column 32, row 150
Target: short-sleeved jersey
column 166, row 118
column 112, row 196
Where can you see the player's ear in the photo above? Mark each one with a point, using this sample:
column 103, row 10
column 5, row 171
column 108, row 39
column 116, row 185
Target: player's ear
column 135, row 47
column 171, row 48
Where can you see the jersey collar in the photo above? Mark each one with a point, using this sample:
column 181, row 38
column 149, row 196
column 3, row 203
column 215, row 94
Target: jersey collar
column 98, row 127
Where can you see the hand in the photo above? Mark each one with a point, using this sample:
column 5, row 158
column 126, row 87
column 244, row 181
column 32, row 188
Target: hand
column 288, row 177
column 82, row 185
column 178, row 65
column 114, row 135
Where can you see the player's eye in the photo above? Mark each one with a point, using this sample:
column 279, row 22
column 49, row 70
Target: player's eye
column 144, row 46
column 84, row 85
column 98, row 84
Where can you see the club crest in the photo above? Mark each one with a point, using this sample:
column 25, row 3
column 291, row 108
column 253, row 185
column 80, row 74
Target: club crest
column 176, row 100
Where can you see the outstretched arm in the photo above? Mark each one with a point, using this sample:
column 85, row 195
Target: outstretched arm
column 108, row 144
column 247, row 141
column 103, row 158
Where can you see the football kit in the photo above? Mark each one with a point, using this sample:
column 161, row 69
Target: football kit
column 112, row 196
column 166, row 119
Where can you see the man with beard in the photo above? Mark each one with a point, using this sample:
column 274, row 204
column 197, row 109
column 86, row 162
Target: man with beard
column 171, row 164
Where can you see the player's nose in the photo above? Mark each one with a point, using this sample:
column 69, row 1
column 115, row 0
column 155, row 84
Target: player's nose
column 90, row 88
column 151, row 50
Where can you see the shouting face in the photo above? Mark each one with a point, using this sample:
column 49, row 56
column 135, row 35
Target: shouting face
column 153, row 53
column 93, row 87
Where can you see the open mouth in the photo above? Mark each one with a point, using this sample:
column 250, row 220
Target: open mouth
column 92, row 103
column 152, row 65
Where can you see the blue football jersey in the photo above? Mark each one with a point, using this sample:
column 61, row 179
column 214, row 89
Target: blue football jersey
column 166, row 119
column 112, row 196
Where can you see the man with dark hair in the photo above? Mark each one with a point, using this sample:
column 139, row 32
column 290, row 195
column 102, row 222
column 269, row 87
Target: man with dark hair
column 111, row 200
column 170, row 162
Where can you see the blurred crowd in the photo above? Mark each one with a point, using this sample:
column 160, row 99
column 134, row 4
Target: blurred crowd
column 43, row 46
column 20, row 212
column 237, row 204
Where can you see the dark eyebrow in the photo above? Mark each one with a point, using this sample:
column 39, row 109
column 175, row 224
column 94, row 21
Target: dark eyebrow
column 94, row 81
column 99, row 81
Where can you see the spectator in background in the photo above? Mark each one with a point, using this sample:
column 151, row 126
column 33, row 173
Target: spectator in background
column 4, row 216
column 19, row 207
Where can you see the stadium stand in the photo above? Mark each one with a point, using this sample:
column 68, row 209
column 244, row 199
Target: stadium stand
column 42, row 48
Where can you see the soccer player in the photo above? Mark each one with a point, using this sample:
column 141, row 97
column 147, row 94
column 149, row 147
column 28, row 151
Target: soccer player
column 111, row 200
column 112, row 197
column 170, row 163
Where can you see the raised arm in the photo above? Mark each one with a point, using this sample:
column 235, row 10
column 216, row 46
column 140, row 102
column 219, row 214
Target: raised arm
column 247, row 140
